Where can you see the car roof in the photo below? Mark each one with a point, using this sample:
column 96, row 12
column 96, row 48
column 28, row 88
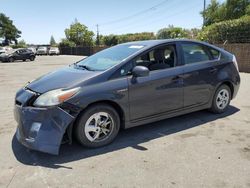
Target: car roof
column 161, row 41
column 152, row 43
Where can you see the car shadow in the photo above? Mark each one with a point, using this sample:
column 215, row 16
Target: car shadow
column 15, row 62
column 132, row 137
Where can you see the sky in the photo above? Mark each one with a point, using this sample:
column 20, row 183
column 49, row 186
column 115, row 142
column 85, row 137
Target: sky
column 38, row 20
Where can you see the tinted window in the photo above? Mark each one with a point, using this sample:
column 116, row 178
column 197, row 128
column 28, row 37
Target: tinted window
column 215, row 53
column 194, row 53
column 159, row 58
column 123, row 71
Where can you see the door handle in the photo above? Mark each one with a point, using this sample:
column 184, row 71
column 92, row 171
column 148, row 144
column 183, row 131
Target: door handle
column 176, row 78
column 213, row 70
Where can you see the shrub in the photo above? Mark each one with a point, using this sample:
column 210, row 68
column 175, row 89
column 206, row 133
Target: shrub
column 232, row 31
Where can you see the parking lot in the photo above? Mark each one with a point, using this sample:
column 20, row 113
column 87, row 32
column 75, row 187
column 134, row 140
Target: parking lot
column 195, row 150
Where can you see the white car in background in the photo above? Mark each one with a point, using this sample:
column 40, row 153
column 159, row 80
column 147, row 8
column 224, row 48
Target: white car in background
column 54, row 51
column 5, row 49
column 42, row 50
column 33, row 49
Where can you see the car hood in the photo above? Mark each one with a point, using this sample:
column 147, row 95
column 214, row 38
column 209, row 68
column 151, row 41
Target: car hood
column 62, row 78
column 4, row 54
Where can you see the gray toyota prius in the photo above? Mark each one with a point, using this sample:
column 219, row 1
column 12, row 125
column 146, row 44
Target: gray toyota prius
column 124, row 86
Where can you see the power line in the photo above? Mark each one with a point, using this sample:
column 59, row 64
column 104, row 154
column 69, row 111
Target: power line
column 138, row 18
column 187, row 9
column 136, row 14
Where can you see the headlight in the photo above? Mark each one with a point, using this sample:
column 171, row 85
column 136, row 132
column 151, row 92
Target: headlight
column 55, row 97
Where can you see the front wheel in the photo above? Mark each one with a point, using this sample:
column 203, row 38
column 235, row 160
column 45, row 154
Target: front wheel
column 97, row 126
column 32, row 58
column 11, row 59
column 221, row 99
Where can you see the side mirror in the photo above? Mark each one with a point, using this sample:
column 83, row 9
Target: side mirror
column 140, row 71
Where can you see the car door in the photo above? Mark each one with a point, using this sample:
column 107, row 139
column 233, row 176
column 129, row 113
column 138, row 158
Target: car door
column 16, row 55
column 199, row 73
column 159, row 92
column 26, row 54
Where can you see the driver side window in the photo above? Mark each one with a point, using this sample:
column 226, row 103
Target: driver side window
column 163, row 57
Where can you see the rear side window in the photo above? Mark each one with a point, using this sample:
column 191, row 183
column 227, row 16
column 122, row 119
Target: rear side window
column 194, row 53
column 215, row 53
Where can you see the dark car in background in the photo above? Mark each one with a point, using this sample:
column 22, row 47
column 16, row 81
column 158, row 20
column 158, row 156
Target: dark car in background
column 124, row 86
column 18, row 54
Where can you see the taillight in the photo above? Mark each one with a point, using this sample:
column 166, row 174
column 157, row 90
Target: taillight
column 235, row 63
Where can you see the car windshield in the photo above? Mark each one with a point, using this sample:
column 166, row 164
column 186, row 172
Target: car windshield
column 108, row 58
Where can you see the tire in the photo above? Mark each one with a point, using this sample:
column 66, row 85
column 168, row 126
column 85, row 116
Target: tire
column 11, row 59
column 221, row 99
column 32, row 58
column 91, row 123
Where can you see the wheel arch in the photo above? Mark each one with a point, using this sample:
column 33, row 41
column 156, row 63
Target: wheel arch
column 113, row 104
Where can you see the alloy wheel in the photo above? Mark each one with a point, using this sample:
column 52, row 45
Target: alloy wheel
column 222, row 99
column 98, row 127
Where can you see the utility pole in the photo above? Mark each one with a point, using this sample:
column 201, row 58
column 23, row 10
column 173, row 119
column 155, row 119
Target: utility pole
column 97, row 35
column 204, row 8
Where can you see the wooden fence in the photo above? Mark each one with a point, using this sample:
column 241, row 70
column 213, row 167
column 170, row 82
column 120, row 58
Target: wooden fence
column 242, row 53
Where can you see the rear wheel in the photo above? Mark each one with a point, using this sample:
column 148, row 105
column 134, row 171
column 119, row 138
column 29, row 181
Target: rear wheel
column 97, row 126
column 221, row 99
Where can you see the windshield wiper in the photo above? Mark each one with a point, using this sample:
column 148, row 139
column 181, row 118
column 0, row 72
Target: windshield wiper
column 84, row 67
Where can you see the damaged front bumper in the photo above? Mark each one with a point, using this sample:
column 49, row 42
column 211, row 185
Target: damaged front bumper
column 40, row 129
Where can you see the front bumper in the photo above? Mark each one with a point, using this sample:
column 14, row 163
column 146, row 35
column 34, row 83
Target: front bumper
column 41, row 129
column 53, row 53
column 4, row 59
column 41, row 53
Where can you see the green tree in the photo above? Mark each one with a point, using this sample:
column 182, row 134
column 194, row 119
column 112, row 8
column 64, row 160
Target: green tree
column 171, row 32
column 248, row 10
column 110, row 40
column 52, row 41
column 79, row 34
column 66, row 43
column 193, row 33
column 212, row 13
column 231, row 9
column 135, row 37
column 8, row 30
column 20, row 44
column 232, row 31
